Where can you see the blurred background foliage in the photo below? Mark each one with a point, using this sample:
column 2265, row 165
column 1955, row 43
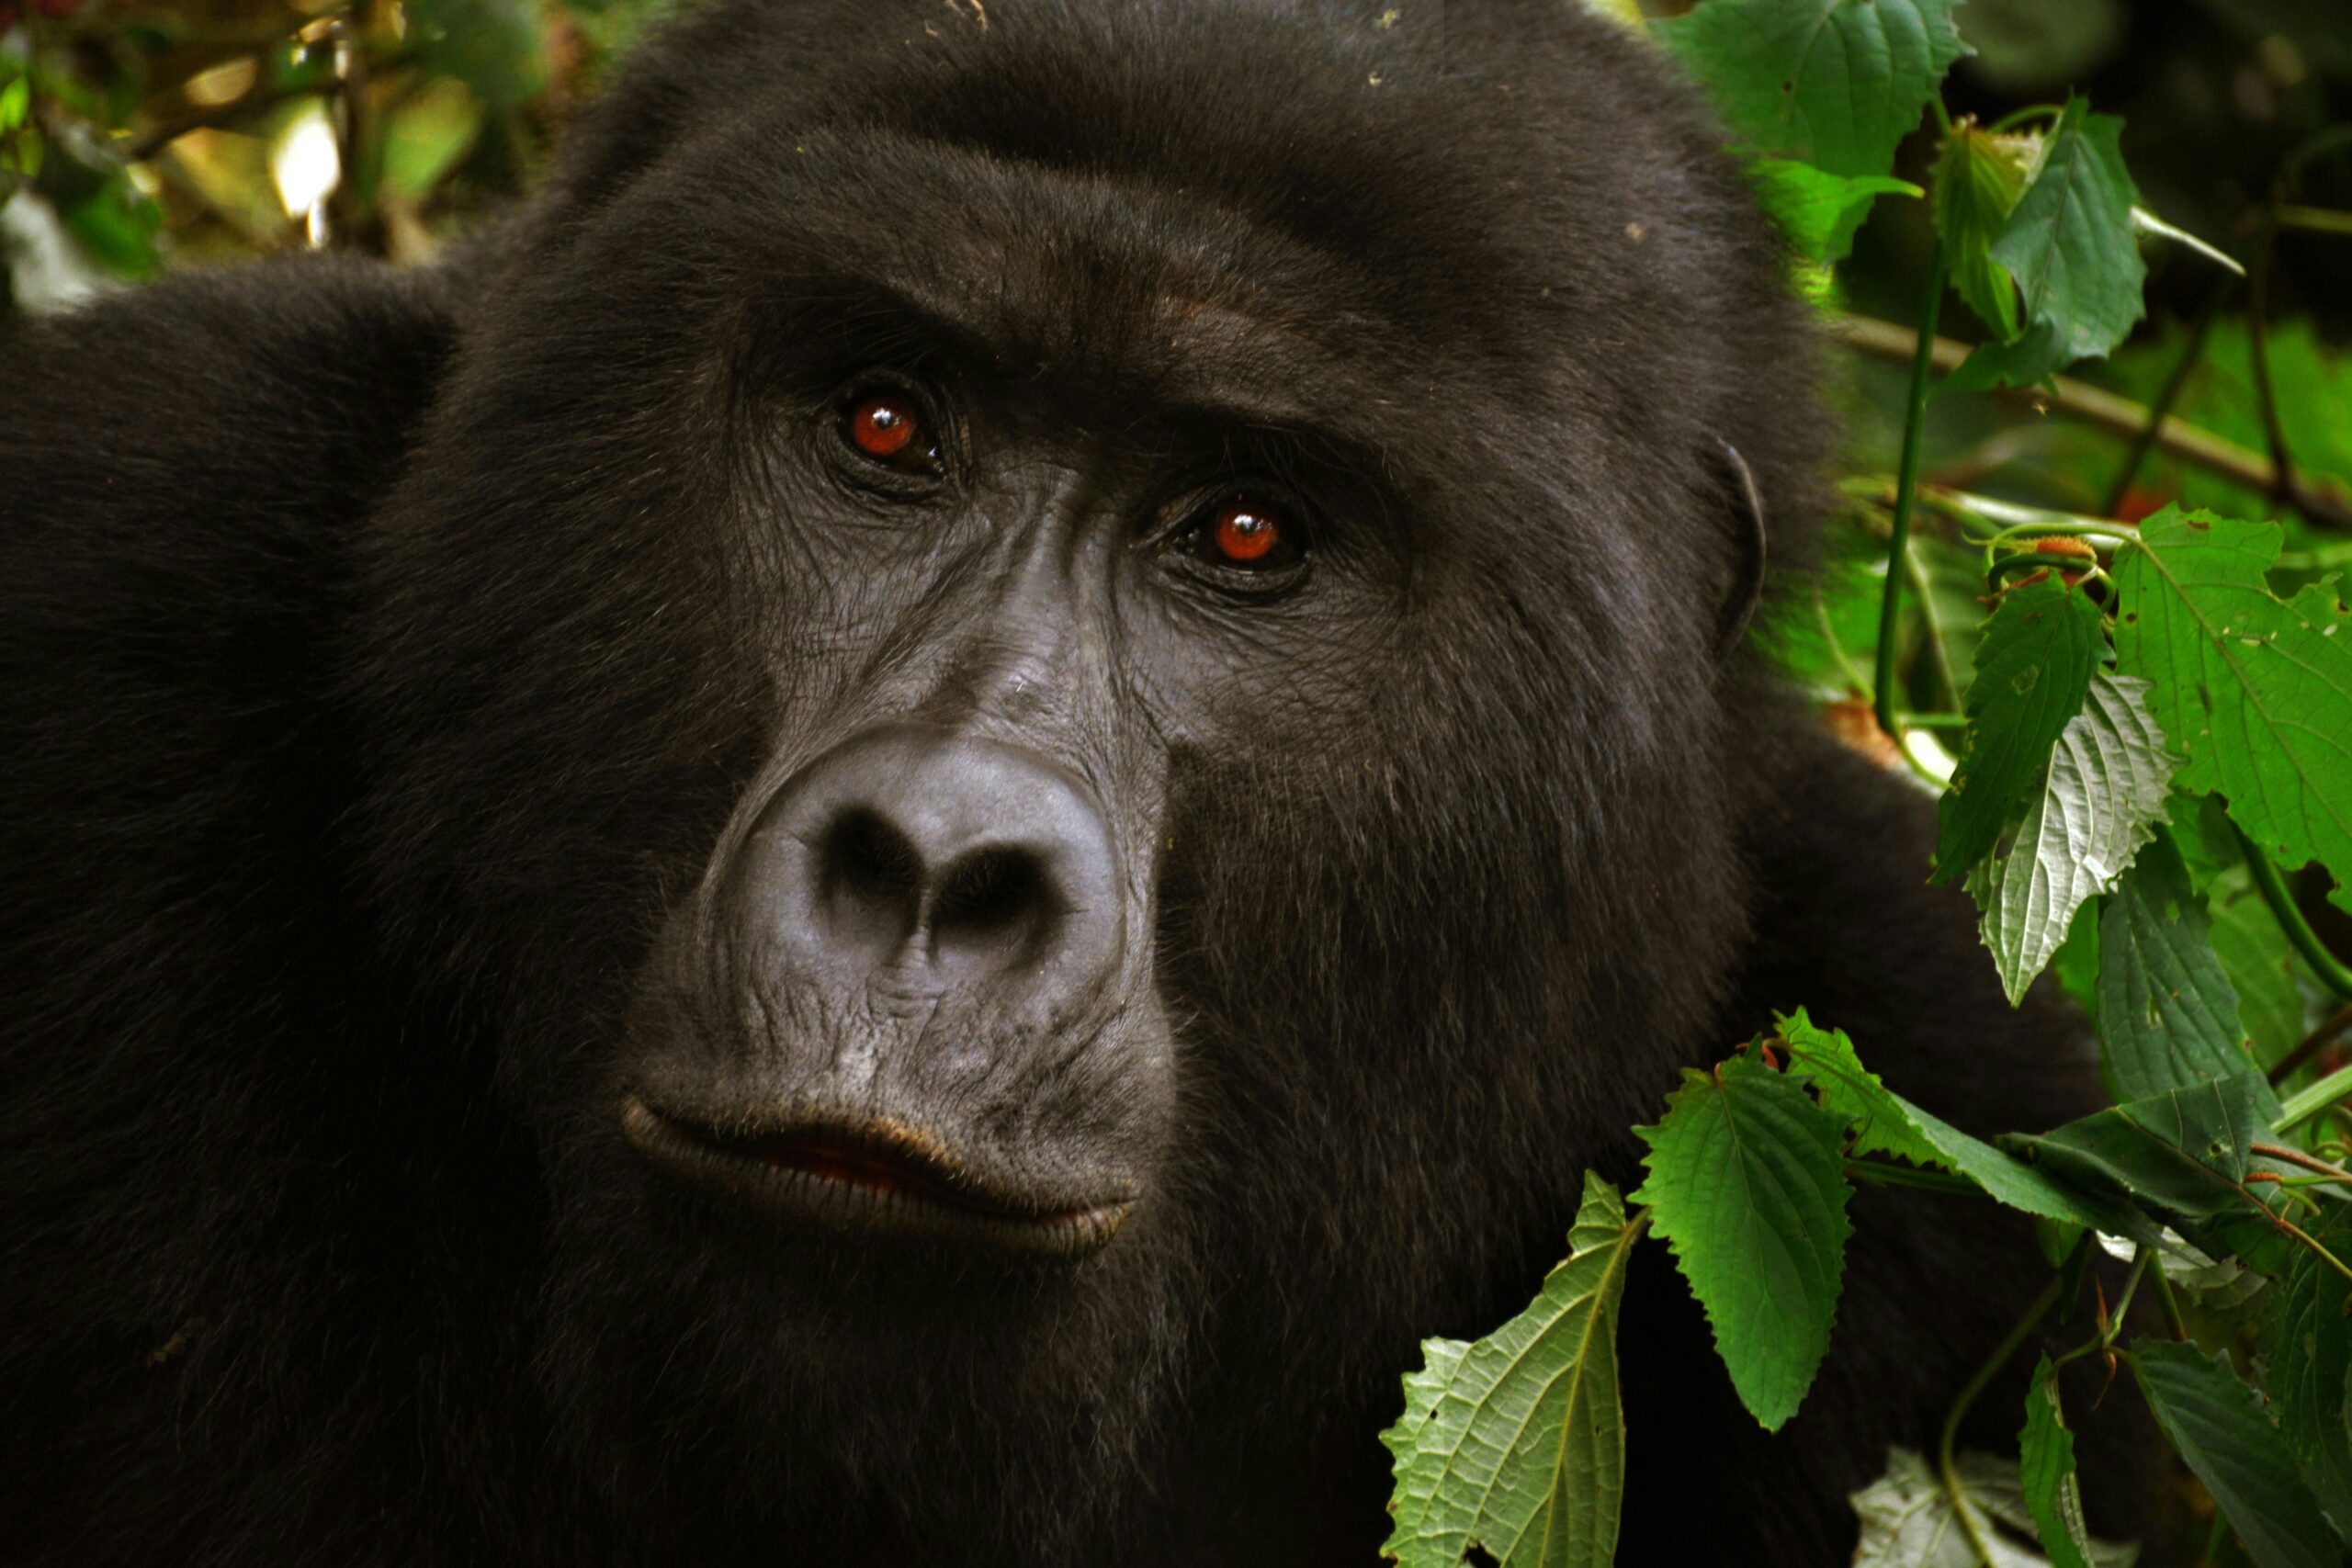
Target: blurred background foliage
column 137, row 135
column 141, row 134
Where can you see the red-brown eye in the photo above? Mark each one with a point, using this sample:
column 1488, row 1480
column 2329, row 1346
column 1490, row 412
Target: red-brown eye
column 1247, row 534
column 886, row 427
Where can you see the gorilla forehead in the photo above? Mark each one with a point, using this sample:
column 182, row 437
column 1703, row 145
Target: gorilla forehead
column 1492, row 197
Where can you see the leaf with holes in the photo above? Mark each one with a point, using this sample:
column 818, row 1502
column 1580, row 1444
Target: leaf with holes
column 1748, row 1185
column 1515, row 1444
column 2167, row 1010
column 2033, row 670
column 2255, row 692
column 2101, row 800
column 2184, row 1156
column 1826, row 81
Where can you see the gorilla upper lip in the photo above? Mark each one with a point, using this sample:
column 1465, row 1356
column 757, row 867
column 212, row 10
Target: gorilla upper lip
column 876, row 1175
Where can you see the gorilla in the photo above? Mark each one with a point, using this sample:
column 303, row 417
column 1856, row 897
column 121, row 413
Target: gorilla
column 897, row 832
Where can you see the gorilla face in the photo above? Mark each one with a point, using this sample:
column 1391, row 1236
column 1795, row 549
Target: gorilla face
column 1062, row 691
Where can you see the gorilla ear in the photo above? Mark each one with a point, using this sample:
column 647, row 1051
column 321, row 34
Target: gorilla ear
column 1747, row 557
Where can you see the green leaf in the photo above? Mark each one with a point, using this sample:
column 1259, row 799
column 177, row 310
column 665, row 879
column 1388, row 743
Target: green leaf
column 1882, row 1122
column 2032, row 671
column 2255, row 692
column 2169, row 1013
column 1829, row 82
column 1516, row 1443
column 2184, row 1154
column 2046, row 1474
column 1908, row 1519
column 1819, row 211
column 2108, row 778
column 1747, row 1183
column 2216, row 1424
column 2032, row 357
column 2069, row 242
column 1978, row 178
column 2308, row 1327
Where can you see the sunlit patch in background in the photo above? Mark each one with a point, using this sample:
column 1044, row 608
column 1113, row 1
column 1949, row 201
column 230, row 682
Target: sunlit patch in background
column 305, row 166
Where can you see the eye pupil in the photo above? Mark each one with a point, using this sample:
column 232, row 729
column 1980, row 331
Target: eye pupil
column 1244, row 534
column 882, row 428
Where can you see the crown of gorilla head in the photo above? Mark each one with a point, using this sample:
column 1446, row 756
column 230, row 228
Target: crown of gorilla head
column 1083, row 642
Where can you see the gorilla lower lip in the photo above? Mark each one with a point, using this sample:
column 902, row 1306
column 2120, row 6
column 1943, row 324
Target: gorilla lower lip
column 875, row 1178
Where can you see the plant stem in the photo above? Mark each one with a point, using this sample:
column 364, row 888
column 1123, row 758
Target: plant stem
column 1975, row 1385
column 2302, row 1108
column 2337, row 1025
column 2166, row 1301
column 1880, row 1173
column 2297, row 1157
column 2315, row 220
column 2327, row 504
column 2331, row 971
column 1907, row 486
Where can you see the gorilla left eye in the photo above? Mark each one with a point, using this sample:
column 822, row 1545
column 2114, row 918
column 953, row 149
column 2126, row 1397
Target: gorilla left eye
column 1247, row 536
column 888, row 428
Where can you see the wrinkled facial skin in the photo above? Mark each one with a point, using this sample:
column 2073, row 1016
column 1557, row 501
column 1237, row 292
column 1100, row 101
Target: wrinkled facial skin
column 982, row 942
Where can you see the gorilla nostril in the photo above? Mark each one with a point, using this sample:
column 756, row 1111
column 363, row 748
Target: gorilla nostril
column 869, row 880
column 998, row 901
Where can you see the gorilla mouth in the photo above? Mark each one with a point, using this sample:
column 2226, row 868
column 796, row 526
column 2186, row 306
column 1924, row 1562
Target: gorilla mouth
column 876, row 1175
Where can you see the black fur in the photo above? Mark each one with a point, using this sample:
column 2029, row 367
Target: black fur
column 385, row 657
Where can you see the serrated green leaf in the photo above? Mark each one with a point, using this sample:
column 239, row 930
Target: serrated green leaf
column 1882, row 1122
column 1747, row 1184
column 2308, row 1328
column 2169, row 1013
column 2033, row 670
column 1908, row 1519
column 2105, row 792
column 2046, row 1474
column 2217, row 1425
column 1818, row 211
column 1978, row 178
column 2069, row 242
column 1832, row 83
column 2033, row 356
column 1516, row 1443
column 2255, row 692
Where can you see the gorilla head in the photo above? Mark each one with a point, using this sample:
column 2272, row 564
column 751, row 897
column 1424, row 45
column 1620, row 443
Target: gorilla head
column 1080, row 648
column 997, row 757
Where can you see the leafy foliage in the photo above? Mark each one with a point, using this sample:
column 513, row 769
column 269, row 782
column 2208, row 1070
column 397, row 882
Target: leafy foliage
column 1465, row 1477
column 2256, row 691
column 2148, row 715
column 1745, row 1186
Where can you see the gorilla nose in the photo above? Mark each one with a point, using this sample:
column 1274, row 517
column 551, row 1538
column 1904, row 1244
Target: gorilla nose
column 940, row 864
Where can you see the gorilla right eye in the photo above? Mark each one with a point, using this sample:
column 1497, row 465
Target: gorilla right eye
column 888, row 428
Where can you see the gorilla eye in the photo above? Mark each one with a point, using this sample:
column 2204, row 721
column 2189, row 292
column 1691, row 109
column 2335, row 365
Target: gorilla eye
column 1250, row 536
column 888, row 428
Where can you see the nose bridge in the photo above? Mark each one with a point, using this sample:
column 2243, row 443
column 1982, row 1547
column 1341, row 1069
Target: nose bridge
column 1037, row 661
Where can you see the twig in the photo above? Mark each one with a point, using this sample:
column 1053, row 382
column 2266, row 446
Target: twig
column 2175, row 384
column 2333, row 1028
column 2327, row 503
